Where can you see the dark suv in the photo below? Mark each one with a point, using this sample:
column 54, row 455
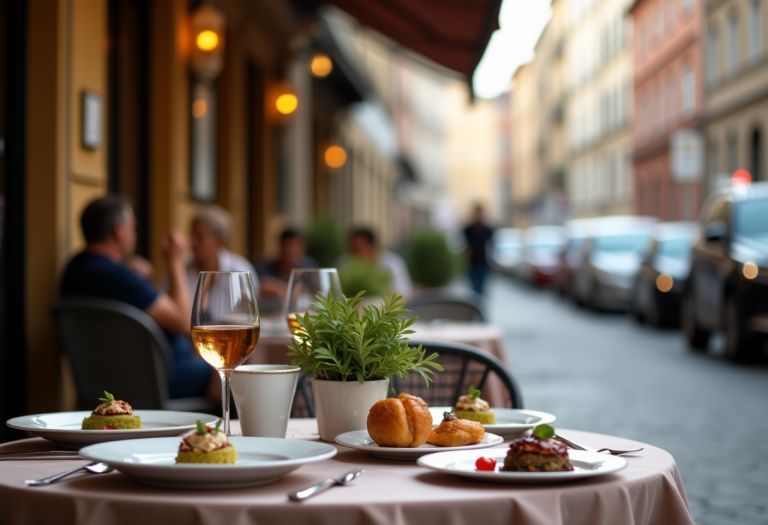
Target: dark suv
column 727, row 288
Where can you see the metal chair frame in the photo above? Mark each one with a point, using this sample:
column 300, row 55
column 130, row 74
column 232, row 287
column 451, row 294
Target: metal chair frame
column 450, row 296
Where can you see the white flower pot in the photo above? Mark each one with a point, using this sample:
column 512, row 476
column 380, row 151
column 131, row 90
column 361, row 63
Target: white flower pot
column 342, row 406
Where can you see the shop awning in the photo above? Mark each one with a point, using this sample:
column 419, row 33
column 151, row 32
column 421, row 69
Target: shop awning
column 453, row 33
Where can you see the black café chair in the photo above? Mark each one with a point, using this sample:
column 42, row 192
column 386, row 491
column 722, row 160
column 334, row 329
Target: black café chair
column 452, row 304
column 463, row 365
column 114, row 346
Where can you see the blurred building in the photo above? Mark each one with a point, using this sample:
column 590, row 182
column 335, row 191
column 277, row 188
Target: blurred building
column 668, row 95
column 599, row 107
column 736, row 105
column 527, row 184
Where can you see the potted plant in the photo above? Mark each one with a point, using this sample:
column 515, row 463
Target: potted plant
column 351, row 356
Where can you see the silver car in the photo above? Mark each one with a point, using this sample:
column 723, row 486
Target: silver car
column 610, row 260
column 507, row 249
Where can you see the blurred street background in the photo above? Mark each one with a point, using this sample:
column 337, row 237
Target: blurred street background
column 593, row 170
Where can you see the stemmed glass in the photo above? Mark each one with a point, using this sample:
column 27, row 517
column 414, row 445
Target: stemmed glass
column 225, row 325
column 303, row 287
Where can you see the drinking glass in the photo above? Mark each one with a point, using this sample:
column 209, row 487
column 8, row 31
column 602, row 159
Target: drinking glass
column 303, row 287
column 225, row 325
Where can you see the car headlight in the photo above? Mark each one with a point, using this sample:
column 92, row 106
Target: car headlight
column 751, row 270
column 664, row 282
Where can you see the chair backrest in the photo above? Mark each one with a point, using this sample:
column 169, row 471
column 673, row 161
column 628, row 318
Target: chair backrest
column 448, row 303
column 463, row 365
column 113, row 346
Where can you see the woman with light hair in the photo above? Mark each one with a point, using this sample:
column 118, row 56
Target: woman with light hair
column 211, row 230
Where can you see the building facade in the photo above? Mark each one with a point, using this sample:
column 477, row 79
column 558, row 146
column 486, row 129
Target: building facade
column 527, row 186
column 736, row 105
column 599, row 107
column 668, row 97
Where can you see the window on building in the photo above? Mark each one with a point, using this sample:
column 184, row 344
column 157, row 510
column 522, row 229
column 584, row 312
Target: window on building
column 671, row 100
column 731, row 154
column 658, row 108
column 671, row 14
column 755, row 30
column 713, row 62
column 732, row 44
column 689, row 90
column 658, row 24
column 756, row 154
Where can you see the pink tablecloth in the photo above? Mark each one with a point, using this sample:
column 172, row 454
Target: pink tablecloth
column 272, row 348
column 649, row 491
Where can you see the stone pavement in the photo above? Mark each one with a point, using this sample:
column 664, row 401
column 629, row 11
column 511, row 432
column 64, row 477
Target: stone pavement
column 605, row 373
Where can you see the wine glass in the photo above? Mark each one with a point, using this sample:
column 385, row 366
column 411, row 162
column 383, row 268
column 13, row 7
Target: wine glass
column 303, row 287
column 225, row 325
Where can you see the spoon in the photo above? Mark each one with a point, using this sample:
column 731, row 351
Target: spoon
column 576, row 446
column 344, row 479
column 95, row 468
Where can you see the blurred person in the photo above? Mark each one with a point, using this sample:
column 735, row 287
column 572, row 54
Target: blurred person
column 100, row 270
column 274, row 274
column 211, row 230
column 478, row 236
column 362, row 244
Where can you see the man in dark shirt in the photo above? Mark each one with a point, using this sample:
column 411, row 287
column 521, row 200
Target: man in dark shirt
column 274, row 274
column 478, row 236
column 109, row 228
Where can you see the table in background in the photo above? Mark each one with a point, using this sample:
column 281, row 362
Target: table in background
column 272, row 347
column 648, row 491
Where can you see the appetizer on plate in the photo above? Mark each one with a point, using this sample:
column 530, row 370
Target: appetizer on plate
column 111, row 414
column 206, row 445
column 455, row 432
column 402, row 422
column 473, row 408
column 537, row 453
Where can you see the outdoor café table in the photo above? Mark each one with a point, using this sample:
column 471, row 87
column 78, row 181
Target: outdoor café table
column 390, row 492
column 273, row 346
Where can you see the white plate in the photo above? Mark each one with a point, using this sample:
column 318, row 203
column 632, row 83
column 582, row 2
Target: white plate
column 510, row 422
column 259, row 461
column 64, row 428
column 585, row 464
column 360, row 440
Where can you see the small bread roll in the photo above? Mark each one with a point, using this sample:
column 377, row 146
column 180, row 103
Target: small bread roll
column 402, row 422
column 456, row 433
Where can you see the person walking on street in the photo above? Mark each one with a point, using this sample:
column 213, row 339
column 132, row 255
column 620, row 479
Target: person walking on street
column 478, row 236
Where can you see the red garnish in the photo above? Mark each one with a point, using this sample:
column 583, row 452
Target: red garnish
column 208, row 428
column 108, row 427
column 488, row 464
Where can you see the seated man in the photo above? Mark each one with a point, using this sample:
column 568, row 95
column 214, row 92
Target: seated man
column 362, row 244
column 275, row 274
column 211, row 229
column 109, row 228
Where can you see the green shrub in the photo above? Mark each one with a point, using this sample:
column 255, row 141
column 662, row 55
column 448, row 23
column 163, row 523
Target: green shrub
column 360, row 275
column 430, row 261
column 325, row 240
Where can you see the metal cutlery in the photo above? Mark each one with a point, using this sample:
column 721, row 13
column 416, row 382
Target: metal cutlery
column 308, row 492
column 95, row 468
column 576, row 446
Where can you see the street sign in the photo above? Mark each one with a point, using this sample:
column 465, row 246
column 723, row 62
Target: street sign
column 687, row 155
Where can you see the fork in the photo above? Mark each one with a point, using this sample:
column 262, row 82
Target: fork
column 576, row 446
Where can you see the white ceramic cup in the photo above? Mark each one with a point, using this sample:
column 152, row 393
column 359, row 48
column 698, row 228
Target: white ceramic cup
column 263, row 396
column 342, row 406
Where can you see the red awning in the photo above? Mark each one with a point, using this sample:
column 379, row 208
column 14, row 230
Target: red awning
column 453, row 33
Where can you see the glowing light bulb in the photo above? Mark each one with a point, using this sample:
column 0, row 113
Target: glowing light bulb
column 286, row 103
column 335, row 156
column 664, row 282
column 207, row 40
column 750, row 270
column 199, row 107
column 321, row 66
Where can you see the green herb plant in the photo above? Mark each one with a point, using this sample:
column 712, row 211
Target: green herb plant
column 108, row 399
column 340, row 343
column 474, row 393
column 203, row 429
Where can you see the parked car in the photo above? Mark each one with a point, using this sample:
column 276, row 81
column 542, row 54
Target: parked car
column 507, row 249
column 610, row 260
column 727, row 287
column 663, row 271
column 569, row 258
column 541, row 244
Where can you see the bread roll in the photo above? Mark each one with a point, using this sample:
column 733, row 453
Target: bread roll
column 402, row 422
column 456, row 433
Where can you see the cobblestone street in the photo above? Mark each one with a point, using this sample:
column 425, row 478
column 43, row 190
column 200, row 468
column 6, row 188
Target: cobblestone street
column 606, row 373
